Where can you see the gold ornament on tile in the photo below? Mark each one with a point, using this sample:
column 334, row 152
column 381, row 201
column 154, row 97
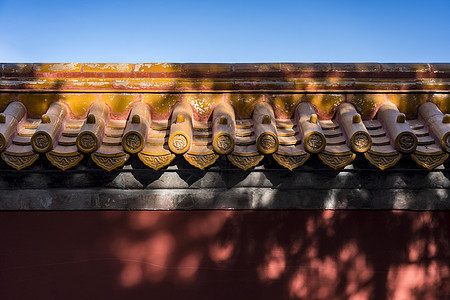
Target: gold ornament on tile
column 133, row 142
column 64, row 162
column 41, row 142
column 245, row 162
column 315, row 142
column 87, row 142
column 109, row 163
column 268, row 142
column 382, row 161
column 156, row 161
column 429, row 161
column 179, row 142
column 406, row 142
column 224, row 143
column 291, row 161
column 20, row 161
column 337, row 161
column 201, row 161
column 361, row 142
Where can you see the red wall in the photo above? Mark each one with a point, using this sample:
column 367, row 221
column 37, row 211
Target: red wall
column 225, row 255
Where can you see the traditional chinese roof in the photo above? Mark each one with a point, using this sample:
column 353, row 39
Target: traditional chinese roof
column 245, row 112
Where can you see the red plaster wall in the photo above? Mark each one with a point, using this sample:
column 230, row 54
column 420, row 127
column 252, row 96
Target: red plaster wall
column 225, row 255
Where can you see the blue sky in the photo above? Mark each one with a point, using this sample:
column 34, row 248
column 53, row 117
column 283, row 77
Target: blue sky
column 224, row 31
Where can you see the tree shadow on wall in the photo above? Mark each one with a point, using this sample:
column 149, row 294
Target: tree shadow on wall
column 226, row 254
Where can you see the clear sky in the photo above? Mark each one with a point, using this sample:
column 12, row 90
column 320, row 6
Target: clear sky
column 224, row 31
